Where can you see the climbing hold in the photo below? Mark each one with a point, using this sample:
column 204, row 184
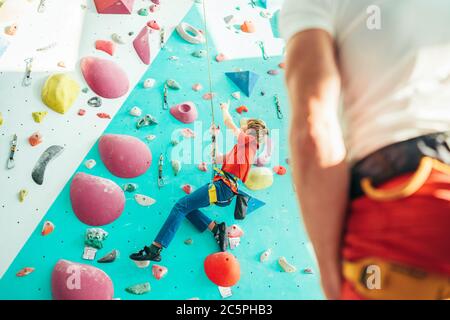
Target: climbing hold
column 209, row 96
column 142, row 264
column 89, row 253
column 221, row 57
column 143, row 12
column 172, row 84
column 241, row 109
column 35, row 139
column 190, row 33
column 229, row 19
column 150, row 137
column 139, row 289
column 22, row 195
column 146, row 121
column 188, row 242
column 1, row 118
column 136, row 112
column 265, row 255
column 225, row 292
column 286, row 266
column 159, row 271
column 90, row 163
column 149, row 83
column 81, row 112
column 130, row 187
column 109, row 257
column 104, row 77
column 187, row 188
column 142, row 46
column 197, row 87
column 60, row 92
column 203, row 167
column 103, row 115
column 174, row 142
column 143, row 200
column 95, row 102
column 39, row 116
column 106, row 46
column 185, row 112
column 25, row 271
column 244, row 80
column 282, row 65
column 236, row 95
column 61, row 64
column 47, row 228
column 308, row 271
column 273, row 72
column 199, row 54
column 94, row 237
column 117, row 38
column 124, row 156
column 96, row 201
column 280, row 170
column 173, row 58
column 152, row 24
column 153, row 8
column 188, row 133
column 11, row 30
column 248, row 27
column 90, row 283
column 259, row 178
column 47, row 156
column 176, row 167
column 114, row 6
column 234, row 231
column 222, row 269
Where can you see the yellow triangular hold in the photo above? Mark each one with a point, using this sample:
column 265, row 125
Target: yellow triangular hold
column 60, row 92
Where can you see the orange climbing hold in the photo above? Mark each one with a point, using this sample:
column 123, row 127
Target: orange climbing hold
column 222, row 268
column 280, row 170
column 248, row 27
column 241, row 109
column 35, row 139
column 47, row 228
column 106, row 46
column 24, row 272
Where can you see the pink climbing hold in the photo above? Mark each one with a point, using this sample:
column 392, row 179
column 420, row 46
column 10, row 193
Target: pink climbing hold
column 197, row 87
column 114, row 6
column 203, row 167
column 142, row 46
column 106, row 46
column 159, row 271
column 105, row 77
column 209, row 96
column 185, row 112
column 96, row 201
column 221, row 57
column 152, row 24
column 76, row 281
column 81, row 112
column 234, row 231
column 187, row 188
column 124, row 156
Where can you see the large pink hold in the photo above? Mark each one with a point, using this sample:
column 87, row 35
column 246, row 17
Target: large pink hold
column 114, row 6
column 124, row 156
column 185, row 112
column 105, row 77
column 142, row 46
column 96, row 201
column 75, row 281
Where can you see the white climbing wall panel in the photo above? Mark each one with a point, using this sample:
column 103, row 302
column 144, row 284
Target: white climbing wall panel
column 77, row 134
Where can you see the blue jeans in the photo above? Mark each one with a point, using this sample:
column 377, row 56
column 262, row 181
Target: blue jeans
column 187, row 207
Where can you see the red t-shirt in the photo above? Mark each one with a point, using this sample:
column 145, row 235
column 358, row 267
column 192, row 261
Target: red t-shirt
column 239, row 160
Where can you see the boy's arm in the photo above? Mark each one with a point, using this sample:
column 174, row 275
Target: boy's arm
column 320, row 171
column 228, row 120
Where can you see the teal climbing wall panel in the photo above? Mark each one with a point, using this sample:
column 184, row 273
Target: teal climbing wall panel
column 277, row 225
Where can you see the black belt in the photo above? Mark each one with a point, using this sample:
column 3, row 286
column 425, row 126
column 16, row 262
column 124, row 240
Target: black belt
column 398, row 159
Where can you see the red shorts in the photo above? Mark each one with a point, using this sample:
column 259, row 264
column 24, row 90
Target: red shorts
column 414, row 231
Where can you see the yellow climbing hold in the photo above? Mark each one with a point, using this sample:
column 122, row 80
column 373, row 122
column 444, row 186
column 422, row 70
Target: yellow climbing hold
column 22, row 195
column 39, row 116
column 1, row 119
column 60, row 92
column 259, row 178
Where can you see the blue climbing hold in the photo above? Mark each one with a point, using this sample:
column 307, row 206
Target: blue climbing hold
column 244, row 80
column 253, row 203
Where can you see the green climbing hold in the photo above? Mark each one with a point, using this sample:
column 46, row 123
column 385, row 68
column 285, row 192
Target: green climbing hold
column 94, row 237
column 139, row 289
column 130, row 187
column 143, row 12
column 172, row 84
column 199, row 54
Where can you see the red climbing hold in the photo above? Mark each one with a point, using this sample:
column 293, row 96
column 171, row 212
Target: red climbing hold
column 280, row 170
column 222, row 268
column 187, row 188
column 24, row 272
column 103, row 115
column 153, row 25
column 241, row 109
column 106, row 46
column 81, row 112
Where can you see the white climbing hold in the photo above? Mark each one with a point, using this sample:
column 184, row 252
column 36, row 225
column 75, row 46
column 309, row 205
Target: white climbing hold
column 143, row 200
column 236, row 95
column 89, row 253
column 225, row 292
column 149, row 83
column 136, row 112
column 234, row 242
column 265, row 255
column 234, row 231
column 176, row 166
column 142, row 264
column 150, row 137
column 90, row 163
column 118, row 38
column 286, row 266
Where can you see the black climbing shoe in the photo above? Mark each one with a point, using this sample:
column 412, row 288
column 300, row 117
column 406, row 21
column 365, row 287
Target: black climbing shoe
column 220, row 234
column 148, row 253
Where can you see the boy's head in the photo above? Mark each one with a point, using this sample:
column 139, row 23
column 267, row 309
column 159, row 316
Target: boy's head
column 256, row 128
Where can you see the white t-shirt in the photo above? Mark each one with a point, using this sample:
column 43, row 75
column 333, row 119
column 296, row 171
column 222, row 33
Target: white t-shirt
column 395, row 70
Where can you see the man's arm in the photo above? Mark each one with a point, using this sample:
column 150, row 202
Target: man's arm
column 320, row 172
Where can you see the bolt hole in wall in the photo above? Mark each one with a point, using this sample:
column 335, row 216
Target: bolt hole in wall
column 274, row 259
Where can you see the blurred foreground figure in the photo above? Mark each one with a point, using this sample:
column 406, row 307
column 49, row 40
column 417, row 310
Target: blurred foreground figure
column 372, row 169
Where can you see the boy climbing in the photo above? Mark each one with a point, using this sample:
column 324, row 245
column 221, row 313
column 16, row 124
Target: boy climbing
column 235, row 166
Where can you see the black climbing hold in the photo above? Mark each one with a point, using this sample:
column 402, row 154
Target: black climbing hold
column 39, row 169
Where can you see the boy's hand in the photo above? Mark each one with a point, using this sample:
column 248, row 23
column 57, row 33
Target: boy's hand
column 224, row 106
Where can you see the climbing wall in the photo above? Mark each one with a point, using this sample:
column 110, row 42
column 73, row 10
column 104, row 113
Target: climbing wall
column 276, row 225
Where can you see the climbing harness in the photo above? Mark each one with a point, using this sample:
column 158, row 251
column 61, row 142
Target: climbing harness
column 161, row 180
column 42, row 6
column 278, row 107
column 263, row 49
column 165, row 97
column 26, row 82
column 10, row 164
